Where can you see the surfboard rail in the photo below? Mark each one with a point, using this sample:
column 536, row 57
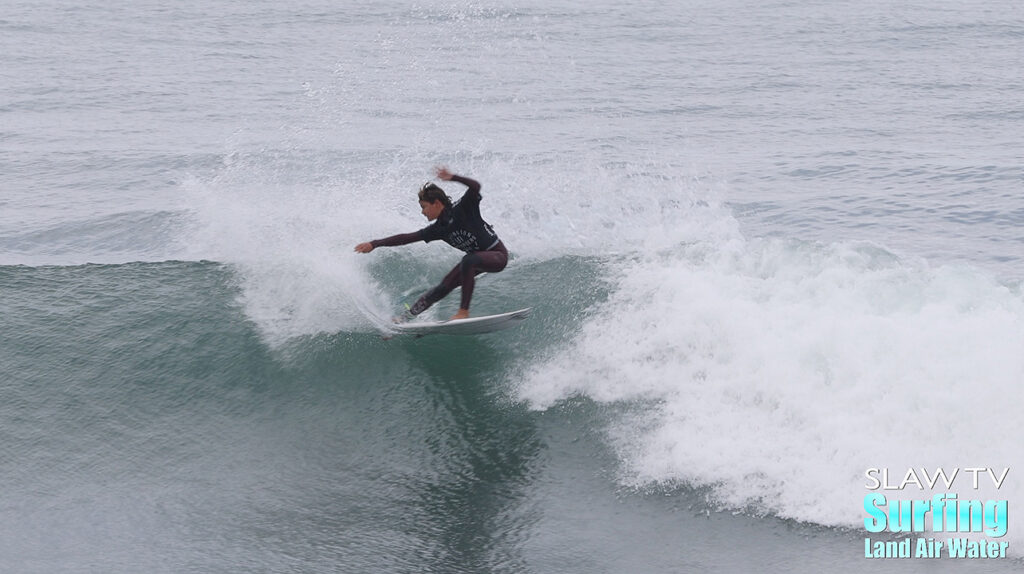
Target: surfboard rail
column 470, row 326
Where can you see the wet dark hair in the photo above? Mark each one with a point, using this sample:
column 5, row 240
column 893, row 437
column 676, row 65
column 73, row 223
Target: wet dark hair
column 431, row 193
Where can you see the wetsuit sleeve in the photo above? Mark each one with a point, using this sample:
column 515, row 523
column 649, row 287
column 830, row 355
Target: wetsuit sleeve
column 473, row 192
column 431, row 232
column 400, row 239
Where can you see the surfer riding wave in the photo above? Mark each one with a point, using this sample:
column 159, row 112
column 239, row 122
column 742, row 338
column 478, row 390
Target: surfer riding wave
column 460, row 225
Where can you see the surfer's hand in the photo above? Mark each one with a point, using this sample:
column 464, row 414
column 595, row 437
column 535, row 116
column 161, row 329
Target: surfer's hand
column 364, row 247
column 443, row 173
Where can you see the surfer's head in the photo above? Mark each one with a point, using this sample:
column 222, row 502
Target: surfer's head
column 433, row 201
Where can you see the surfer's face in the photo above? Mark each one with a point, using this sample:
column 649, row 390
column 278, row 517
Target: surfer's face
column 431, row 209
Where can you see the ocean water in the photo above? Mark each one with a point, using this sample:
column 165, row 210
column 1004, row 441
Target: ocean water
column 769, row 246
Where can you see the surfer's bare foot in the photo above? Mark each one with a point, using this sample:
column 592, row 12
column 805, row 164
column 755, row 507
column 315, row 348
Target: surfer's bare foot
column 462, row 314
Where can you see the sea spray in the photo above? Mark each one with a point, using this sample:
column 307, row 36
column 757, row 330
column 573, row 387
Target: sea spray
column 290, row 241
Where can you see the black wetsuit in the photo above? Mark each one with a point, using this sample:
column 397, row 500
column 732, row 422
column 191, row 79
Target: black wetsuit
column 462, row 227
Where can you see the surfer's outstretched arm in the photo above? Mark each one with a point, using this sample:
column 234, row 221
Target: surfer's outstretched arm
column 393, row 241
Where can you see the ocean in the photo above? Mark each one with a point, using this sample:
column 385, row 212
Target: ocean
column 774, row 252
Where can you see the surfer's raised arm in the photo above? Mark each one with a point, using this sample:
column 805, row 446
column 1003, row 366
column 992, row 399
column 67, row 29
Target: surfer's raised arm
column 473, row 185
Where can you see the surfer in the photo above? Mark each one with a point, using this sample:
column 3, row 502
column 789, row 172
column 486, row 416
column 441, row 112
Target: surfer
column 460, row 225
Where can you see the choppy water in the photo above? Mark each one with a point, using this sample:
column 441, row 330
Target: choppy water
column 769, row 246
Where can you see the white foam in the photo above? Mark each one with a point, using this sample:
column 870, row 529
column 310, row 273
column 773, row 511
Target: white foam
column 778, row 372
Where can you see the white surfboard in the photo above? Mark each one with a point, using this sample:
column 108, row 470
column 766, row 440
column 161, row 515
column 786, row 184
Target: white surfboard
column 471, row 326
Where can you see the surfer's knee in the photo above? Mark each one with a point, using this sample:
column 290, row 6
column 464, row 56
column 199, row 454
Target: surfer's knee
column 470, row 261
